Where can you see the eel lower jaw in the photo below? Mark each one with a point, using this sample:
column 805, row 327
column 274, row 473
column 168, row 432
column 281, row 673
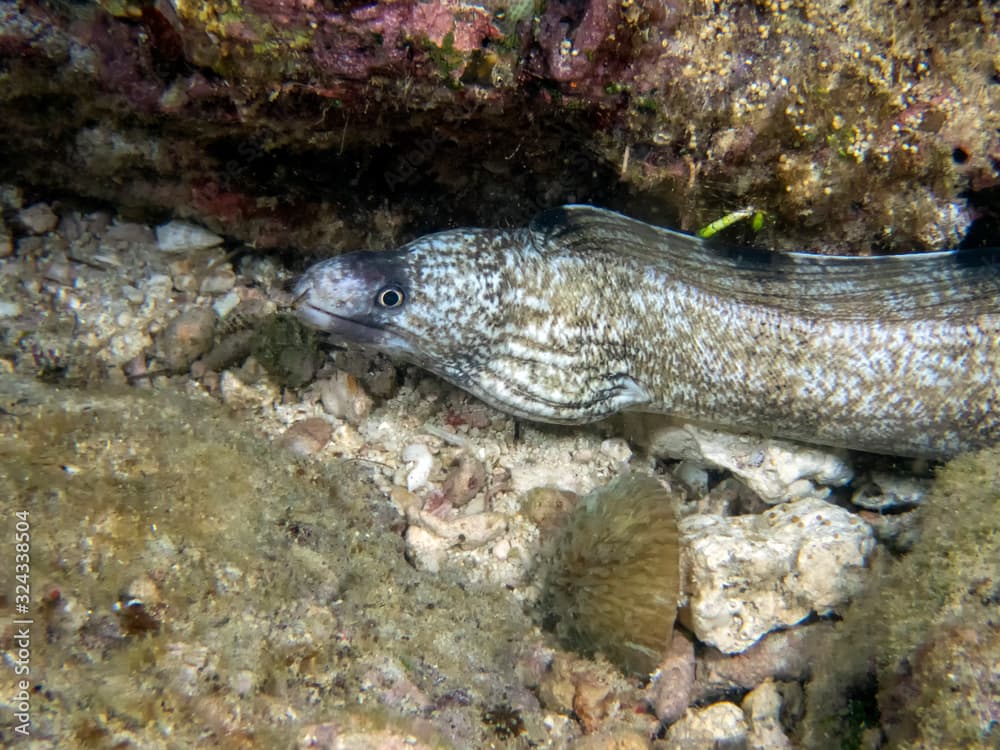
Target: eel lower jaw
column 346, row 331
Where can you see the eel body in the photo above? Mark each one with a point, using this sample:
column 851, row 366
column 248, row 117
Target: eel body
column 585, row 313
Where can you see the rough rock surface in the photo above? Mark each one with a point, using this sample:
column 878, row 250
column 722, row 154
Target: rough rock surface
column 777, row 470
column 311, row 124
column 721, row 724
column 747, row 575
column 882, row 491
column 762, row 707
column 183, row 567
column 781, row 655
column 925, row 632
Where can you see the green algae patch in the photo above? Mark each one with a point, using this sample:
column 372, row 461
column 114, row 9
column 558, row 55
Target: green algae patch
column 917, row 654
column 287, row 349
column 193, row 583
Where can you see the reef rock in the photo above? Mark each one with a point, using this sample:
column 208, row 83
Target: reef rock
column 748, row 575
column 718, row 725
column 318, row 125
column 777, row 470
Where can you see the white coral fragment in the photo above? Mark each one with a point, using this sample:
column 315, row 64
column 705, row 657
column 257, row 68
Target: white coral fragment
column 748, row 575
column 777, row 470
column 421, row 460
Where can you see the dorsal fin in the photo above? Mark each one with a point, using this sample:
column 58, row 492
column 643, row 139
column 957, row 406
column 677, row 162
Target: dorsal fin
column 949, row 284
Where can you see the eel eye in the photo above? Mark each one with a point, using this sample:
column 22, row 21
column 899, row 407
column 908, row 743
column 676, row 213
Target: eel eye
column 389, row 296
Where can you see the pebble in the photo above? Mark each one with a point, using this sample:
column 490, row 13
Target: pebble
column 129, row 233
column 242, row 682
column 132, row 294
column 106, row 260
column 186, row 338
column 122, row 347
column 547, row 507
column 617, row 449
column 693, row 476
column 719, row 725
column 159, row 285
column 463, row 532
column 98, row 222
column 180, row 236
column 262, row 271
column 135, row 369
column 368, row 729
column 614, row 739
column 185, row 282
column 308, row 436
column 433, row 543
column 230, row 349
column 219, row 280
column 225, row 305
column 240, row 395
column 145, row 590
column 898, row 531
column 466, row 477
column 425, row 550
column 671, row 690
column 581, row 686
column 343, row 397
column 9, row 309
column 29, row 246
column 730, row 497
column 762, row 709
column 60, row 272
column 183, row 664
column 38, row 218
column 70, row 227
column 882, row 490
column 525, row 476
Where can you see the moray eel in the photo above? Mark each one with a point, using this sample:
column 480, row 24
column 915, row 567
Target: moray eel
column 585, row 313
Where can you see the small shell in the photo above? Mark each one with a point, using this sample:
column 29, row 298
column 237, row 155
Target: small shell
column 179, row 237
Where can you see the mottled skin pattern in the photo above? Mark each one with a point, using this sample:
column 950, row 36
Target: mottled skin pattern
column 586, row 313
